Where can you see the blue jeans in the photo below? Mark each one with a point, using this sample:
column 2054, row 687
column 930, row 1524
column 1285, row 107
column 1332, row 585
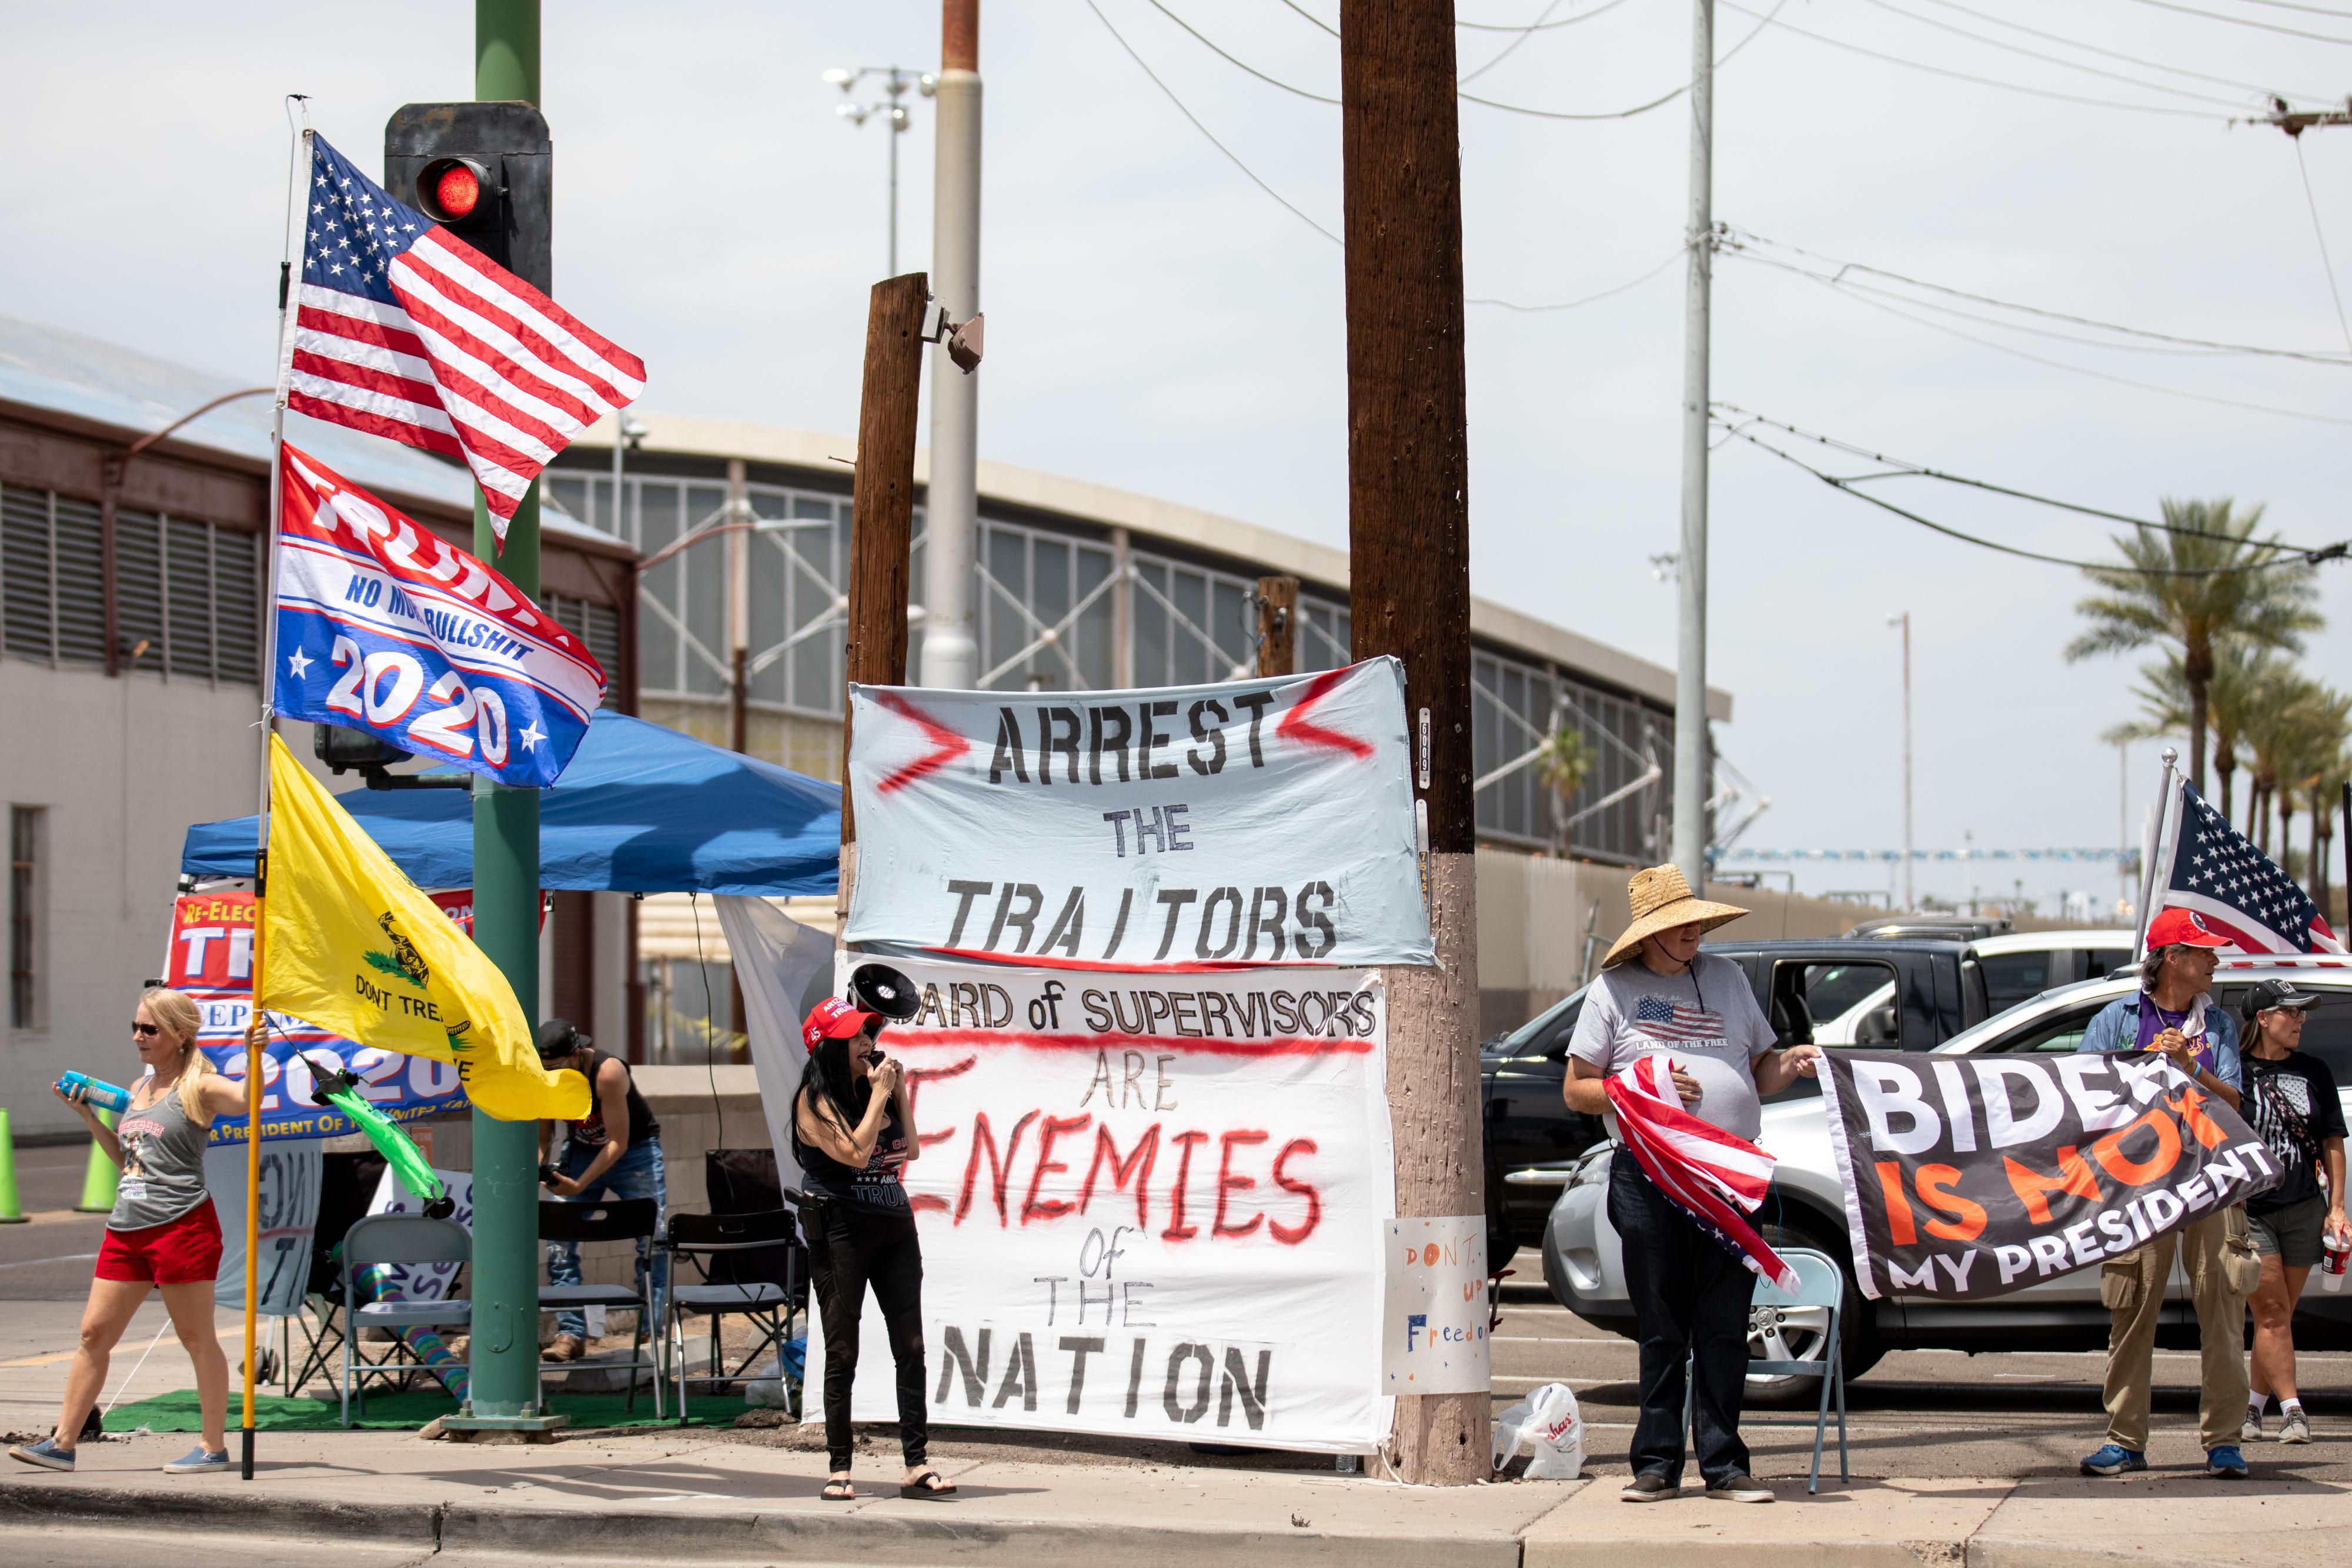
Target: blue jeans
column 637, row 1173
column 1690, row 1309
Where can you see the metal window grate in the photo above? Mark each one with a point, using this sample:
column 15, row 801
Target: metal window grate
column 26, row 581
column 189, row 548
column 140, row 589
column 236, row 606
column 24, row 826
column 80, row 574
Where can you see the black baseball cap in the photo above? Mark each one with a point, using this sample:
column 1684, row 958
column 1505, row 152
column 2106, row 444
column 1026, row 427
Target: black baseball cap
column 559, row 1036
column 2272, row 993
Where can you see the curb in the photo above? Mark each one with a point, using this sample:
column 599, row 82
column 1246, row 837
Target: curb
column 772, row 1537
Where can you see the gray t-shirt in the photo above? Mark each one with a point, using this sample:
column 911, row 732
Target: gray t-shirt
column 1705, row 1018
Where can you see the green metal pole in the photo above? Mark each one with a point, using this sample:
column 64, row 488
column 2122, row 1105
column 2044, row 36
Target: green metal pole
column 504, row 1381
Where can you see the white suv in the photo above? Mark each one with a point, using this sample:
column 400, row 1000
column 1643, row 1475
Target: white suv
column 1806, row 1209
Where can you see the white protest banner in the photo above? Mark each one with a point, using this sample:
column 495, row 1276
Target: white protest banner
column 1434, row 1316
column 1150, row 1205
column 1254, row 822
column 292, row 1171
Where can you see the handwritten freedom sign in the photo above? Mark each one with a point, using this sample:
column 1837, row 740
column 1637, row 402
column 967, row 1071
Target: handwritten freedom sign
column 1253, row 823
column 1151, row 1205
column 1969, row 1176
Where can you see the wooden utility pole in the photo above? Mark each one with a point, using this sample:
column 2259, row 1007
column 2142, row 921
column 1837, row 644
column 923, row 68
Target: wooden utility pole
column 882, row 511
column 1278, row 626
column 1408, row 569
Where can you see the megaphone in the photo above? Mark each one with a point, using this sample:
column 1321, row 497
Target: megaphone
column 879, row 989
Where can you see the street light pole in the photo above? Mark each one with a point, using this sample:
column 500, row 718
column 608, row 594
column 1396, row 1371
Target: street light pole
column 1690, row 664
column 896, row 80
column 951, row 526
column 628, row 435
column 1903, row 621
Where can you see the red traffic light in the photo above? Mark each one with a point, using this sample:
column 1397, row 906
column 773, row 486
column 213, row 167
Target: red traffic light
column 451, row 189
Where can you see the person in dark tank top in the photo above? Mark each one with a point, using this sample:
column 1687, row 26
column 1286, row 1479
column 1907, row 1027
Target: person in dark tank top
column 853, row 1133
column 614, row 1151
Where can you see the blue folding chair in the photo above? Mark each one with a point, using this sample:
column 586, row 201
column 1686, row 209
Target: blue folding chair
column 395, row 1239
column 1816, row 1305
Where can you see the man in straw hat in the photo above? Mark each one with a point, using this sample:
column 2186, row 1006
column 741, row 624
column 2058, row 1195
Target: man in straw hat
column 1690, row 1291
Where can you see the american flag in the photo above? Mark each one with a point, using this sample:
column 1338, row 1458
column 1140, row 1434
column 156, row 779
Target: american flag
column 1661, row 1019
column 405, row 331
column 2213, row 869
column 1712, row 1175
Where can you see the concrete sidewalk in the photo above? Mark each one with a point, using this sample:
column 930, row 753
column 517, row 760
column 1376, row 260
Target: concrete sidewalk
column 744, row 1496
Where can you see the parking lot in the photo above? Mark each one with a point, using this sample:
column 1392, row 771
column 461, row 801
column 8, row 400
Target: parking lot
column 1917, row 1413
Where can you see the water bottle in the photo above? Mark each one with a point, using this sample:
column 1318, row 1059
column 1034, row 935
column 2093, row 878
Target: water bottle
column 2335, row 1250
column 97, row 1091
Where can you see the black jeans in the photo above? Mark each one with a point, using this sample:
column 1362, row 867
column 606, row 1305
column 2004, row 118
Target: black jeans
column 850, row 1248
column 1690, row 1300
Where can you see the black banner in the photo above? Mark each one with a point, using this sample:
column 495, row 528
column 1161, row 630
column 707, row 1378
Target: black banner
column 1969, row 1176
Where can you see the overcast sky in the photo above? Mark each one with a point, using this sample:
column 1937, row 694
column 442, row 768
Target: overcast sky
column 1159, row 323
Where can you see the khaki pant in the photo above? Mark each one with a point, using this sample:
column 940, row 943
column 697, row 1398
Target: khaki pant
column 2133, row 1286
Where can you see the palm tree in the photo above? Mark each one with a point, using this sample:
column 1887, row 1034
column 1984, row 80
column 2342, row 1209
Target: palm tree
column 1563, row 762
column 2239, row 673
column 2327, row 789
column 2198, row 582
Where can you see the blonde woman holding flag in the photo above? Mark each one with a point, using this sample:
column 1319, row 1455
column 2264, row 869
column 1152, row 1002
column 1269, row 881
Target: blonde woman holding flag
column 162, row 1233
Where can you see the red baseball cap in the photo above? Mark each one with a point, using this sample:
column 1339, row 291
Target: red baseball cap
column 2182, row 928
column 834, row 1019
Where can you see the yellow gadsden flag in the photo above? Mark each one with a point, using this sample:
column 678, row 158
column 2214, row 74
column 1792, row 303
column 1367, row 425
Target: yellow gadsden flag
column 350, row 945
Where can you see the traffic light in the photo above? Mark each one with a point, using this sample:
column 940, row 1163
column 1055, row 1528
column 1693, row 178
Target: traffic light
column 482, row 170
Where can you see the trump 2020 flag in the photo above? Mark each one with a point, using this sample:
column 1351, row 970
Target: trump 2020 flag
column 383, row 627
column 403, row 331
column 349, row 943
column 2216, row 872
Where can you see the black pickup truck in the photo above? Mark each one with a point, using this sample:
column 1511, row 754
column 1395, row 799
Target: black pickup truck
column 1885, row 994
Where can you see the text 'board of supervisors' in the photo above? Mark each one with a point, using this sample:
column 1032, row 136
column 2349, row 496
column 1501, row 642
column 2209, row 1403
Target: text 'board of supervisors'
column 1151, row 1205
column 1265, row 822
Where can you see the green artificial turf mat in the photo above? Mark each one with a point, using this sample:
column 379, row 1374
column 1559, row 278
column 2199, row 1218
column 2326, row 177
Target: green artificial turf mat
column 179, row 1412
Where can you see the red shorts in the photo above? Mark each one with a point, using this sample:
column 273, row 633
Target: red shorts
column 182, row 1251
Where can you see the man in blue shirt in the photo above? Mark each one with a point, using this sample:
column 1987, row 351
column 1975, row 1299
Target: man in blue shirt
column 2175, row 1012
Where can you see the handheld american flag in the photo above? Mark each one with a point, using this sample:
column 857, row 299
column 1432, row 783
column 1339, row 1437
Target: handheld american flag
column 405, row 331
column 2213, row 869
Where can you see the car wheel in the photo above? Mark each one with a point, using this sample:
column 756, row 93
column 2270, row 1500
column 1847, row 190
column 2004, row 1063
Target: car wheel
column 1801, row 1333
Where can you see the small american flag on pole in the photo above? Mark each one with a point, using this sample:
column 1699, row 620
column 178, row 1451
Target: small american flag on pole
column 1658, row 1019
column 2211, row 868
column 403, row 331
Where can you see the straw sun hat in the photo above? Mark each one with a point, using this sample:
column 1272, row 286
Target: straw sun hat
column 1662, row 900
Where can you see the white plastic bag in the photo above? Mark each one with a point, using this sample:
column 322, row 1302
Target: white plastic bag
column 765, row 1388
column 1548, row 1425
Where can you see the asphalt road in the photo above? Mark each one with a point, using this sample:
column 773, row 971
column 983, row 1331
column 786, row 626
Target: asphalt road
column 49, row 1259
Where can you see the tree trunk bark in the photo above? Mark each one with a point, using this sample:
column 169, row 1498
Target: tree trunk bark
column 2197, row 735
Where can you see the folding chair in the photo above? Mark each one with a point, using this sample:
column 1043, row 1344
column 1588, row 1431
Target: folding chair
column 1814, row 1305
column 395, row 1239
column 609, row 1219
column 710, row 1242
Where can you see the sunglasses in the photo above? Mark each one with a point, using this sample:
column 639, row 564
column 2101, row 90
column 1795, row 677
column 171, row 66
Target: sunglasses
column 146, row 1030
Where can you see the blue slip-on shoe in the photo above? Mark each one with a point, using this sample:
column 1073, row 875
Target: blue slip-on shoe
column 197, row 1462
column 2115, row 1460
column 46, row 1454
column 2226, row 1463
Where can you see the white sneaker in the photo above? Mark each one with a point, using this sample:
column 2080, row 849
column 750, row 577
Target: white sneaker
column 2251, row 1432
column 2294, row 1428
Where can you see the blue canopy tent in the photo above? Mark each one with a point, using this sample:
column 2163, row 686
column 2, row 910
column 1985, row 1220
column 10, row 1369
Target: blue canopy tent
column 641, row 809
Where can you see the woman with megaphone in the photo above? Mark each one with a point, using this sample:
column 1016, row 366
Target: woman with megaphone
column 853, row 1133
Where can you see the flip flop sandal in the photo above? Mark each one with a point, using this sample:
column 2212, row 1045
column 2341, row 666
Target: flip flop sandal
column 840, row 1492
column 930, row 1484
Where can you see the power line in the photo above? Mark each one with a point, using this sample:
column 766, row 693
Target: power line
column 2333, row 553
column 2320, row 234
column 1736, row 238
column 1513, row 46
column 2246, row 21
column 2114, row 54
column 1721, row 60
column 1590, row 298
column 2020, row 49
column 2081, row 369
column 1846, row 284
column 1232, row 61
column 1538, row 25
column 1980, row 81
column 1233, row 157
column 1905, row 470
column 2291, row 5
